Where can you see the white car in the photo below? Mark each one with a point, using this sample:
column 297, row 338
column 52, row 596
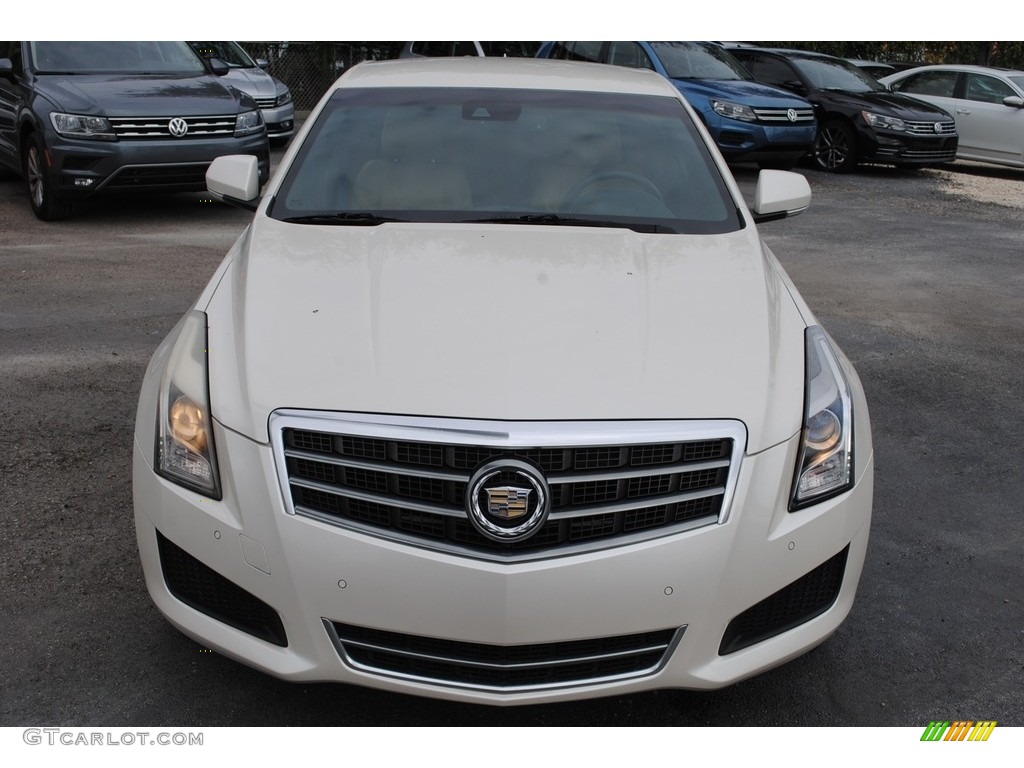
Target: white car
column 501, row 398
column 987, row 104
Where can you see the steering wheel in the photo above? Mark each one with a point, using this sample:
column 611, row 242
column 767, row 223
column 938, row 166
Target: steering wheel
column 613, row 180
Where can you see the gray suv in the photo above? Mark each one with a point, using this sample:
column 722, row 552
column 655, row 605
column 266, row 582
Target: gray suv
column 79, row 118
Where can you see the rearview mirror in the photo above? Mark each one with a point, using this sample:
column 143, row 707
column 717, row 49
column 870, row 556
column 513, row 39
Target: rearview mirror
column 235, row 179
column 780, row 194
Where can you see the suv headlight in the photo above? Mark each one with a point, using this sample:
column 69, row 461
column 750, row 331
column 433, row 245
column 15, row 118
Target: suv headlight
column 248, row 123
column 735, row 111
column 184, row 451
column 283, row 98
column 825, row 464
column 82, row 126
column 883, row 121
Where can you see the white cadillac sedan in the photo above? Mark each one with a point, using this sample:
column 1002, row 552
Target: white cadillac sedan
column 501, row 398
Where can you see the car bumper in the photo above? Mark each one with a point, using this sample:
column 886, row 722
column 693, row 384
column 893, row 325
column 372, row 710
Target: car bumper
column 307, row 583
column 280, row 121
column 903, row 149
column 755, row 142
column 83, row 168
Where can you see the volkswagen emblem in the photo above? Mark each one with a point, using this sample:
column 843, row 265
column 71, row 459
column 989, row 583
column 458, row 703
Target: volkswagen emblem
column 938, row 127
column 507, row 500
column 178, row 127
column 791, row 115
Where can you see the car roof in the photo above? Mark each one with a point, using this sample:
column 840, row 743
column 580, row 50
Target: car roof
column 494, row 72
column 789, row 53
column 963, row 68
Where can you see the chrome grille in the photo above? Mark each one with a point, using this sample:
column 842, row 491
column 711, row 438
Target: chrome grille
column 766, row 115
column 142, row 128
column 503, row 668
column 267, row 103
column 407, row 479
column 922, row 128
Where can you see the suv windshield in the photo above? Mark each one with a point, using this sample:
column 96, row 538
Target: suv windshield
column 230, row 53
column 509, row 156
column 699, row 61
column 836, row 75
column 84, row 58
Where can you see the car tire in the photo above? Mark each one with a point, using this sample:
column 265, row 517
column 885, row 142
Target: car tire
column 836, row 147
column 46, row 203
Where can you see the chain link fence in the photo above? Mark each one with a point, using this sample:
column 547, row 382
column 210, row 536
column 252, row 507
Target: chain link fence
column 309, row 69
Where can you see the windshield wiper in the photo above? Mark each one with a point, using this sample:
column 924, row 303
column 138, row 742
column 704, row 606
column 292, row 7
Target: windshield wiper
column 553, row 219
column 344, row 218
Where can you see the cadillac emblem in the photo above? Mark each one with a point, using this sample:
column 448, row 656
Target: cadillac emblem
column 178, row 127
column 507, row 500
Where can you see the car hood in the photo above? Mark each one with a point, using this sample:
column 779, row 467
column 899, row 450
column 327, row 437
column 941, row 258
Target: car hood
column 744, row 91
column 255, row 82
column 504, row 322
column 894, row 104
column 130, row 95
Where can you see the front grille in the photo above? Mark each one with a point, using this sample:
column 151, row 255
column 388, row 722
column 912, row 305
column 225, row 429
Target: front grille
column 180, row 176
column 267, row 103
column 922, row 128
column 506, row 668
column 142, row 128
column 766, row 115
column 930, row 155
column 408, row 479
column 809, row 596
column 205, row 590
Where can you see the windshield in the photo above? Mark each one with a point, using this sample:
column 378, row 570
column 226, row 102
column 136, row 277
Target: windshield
column 699, row 61
column 836, row 75
column 231, row 54
column 84, row 58
column 509, row 156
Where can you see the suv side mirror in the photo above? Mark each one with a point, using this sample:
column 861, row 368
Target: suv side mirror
column 217, row 66
column 780, row 194
column 262, row 64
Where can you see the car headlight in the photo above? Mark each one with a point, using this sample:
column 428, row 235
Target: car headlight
column 82, row 126
column 248, row 123
column 283, row 98
column 184, row 450
column 735, row 111
column 883, row 121
column 825, row 464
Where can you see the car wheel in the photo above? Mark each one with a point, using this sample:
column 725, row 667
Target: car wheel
column 46, row 203
column 836, row 149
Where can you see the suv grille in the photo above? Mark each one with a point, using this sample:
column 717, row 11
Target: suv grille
column 408, row 479
column 505, row 668
column 782, row 115
column 921, row 128
column 141, row 128
column 267, row 103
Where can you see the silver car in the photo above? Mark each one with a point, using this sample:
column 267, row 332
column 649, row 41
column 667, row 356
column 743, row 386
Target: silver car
column 987, row 103
column 249, row 76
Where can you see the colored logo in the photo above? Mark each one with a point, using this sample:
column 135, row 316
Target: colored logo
column 959, row 730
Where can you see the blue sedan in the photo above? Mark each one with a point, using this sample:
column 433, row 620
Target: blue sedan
column 749, row 122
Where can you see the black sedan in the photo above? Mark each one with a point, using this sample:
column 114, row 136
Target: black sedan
column 858, row 119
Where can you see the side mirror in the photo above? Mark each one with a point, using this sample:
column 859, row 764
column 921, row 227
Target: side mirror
column 1010, row 101
column 780, row 194
column 217, row 66
column 262, row 63
column 235, row 179
column 796, row 86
